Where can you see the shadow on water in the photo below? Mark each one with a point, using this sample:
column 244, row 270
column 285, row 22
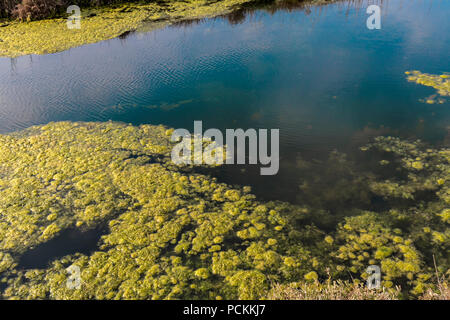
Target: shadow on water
column 70, row 241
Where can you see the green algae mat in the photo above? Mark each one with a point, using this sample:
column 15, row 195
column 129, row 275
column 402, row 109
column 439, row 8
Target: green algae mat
column 53, row 35
column 172, row 233
column 439, row 82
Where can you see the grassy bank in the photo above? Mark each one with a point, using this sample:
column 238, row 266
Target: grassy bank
column 50, row 36
column 344, row 290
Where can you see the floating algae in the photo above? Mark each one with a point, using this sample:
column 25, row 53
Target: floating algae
column 439, row 82
column 394, row 215
column 417, row 221
column 50, row 36
column 171, row 234
column 176, row 234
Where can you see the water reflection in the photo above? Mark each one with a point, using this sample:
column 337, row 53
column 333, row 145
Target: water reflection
column 315, row 72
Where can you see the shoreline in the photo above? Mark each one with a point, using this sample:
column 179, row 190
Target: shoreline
column 52, row 35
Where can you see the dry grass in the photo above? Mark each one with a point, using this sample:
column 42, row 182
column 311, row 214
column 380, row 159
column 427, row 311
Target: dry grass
column 330, row 290
column 343, row 290
column 442, row 290
column 442, row 293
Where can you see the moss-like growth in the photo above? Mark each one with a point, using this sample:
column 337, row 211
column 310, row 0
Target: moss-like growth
column 391, row 212
column 172, row 233
column 50, row 36
column 439, row 82
column 408, row 237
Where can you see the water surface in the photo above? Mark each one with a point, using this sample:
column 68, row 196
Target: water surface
column 316, row 73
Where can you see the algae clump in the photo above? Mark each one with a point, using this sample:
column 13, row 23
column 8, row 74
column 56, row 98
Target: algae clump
column 53, row 35
column 172, row 233
column 439, row 82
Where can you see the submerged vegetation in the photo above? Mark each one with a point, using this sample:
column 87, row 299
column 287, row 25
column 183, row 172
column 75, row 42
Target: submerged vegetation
column 439, row 82
column 97, row 24
column 173, row 233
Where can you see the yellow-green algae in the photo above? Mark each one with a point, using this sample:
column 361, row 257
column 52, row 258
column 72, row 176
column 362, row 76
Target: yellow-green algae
column 169, row 231
column 409, row 182
column 53, row 35
column 173, row 233
column 439, row 82
column 415, row 225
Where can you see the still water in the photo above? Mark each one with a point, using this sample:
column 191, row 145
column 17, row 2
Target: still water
column 316, row 73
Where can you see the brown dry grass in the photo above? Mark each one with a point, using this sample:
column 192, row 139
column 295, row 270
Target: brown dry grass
column 330, row 290
column 343, row 290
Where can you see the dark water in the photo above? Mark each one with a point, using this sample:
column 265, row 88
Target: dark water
column 68, row 242
column 316, row 73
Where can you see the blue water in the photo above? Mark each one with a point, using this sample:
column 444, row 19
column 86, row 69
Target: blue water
column 318, row 74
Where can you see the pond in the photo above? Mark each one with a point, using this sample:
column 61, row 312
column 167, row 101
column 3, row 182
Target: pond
column 315, row 72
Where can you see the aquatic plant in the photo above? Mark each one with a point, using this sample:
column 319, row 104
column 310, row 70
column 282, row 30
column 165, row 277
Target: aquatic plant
column 369, row 239
column 439, row 82
column 98, row 24
column 392, row 211
column 172, row 233
column 418, row 198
